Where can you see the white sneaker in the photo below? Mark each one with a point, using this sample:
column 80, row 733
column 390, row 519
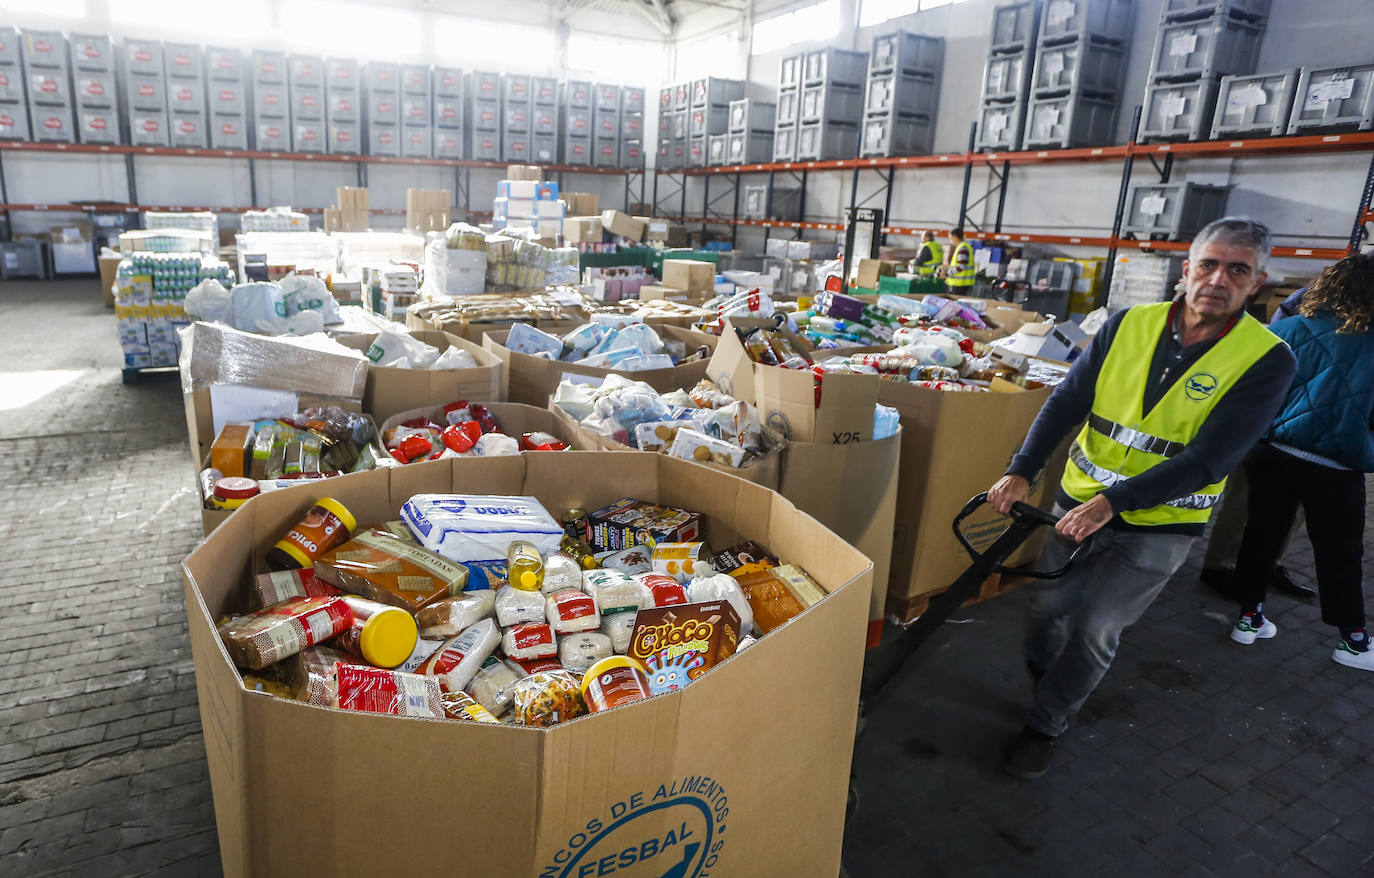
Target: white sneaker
column 1344, row 655
column 1245, row 633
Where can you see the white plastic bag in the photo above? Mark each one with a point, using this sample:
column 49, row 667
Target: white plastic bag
column 257, row 302
column 306, row 293
column 210, row 301
column 399, row 349
column 454, row 358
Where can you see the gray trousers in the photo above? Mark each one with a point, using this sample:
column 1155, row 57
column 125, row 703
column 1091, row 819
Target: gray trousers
column 1228, row 524
column 1076, row 621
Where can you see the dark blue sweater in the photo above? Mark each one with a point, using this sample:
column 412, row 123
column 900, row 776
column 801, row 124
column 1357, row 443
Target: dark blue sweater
column 1239, row 419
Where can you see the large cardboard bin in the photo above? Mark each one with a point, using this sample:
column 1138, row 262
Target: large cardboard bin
column 745, row 772
column 390, row 390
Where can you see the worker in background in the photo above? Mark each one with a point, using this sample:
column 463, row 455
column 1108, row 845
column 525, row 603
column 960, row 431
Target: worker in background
column 960, row 271
column 930, row 257
column 1174, row 394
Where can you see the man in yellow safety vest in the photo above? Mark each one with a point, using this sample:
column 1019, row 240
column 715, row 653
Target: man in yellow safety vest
column 960, row 271
column 1173, row 394
column 930, row 257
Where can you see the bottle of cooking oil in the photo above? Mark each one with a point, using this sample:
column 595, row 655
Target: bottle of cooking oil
column 524, row 566
column 579, row 550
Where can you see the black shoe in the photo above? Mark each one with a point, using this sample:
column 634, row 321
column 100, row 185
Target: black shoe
column 1221, row 580
column 1029, row 755
column 1279, row 580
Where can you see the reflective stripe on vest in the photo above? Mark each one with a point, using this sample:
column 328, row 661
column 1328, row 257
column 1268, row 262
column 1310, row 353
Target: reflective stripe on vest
column 1120, row 441
column 961, row 277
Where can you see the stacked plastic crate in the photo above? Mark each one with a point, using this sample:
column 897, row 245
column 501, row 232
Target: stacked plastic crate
column 679, row 125
column 750, row 140
column 788, row 109
column 343, row 106
column 228, row 94
column 47, row 69
column 516, row 109
column 708, row 122
column 186, row 120
column 14, row 116
column 576, row 112
column 1080, row 64
column 271, row 101
column 606, row 125
column 484, row 115
column 631, row 127
column 93, row 78
column 1199, row 42
column 1006, row 79
column 417, row 128
column 544, row 120
column 306, row 75
column 447, row 85
column 145, row 92
column 665, row 125
column 382, row 106
column 902, row 95
column 1333, row 99
column 832, row 104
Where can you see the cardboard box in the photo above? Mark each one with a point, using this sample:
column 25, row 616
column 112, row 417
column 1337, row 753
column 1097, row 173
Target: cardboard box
column 109, row 264
column 351, row 213
column 690, row 275
column 765, row 810
column 1047, row 340
column 532, row 380
column 581, row 203
column 532, row 173
column 619, row 223
column 391, row 390
column 653, row 292
column 665, row 231
column 872, row 269
column 582, row 230
column 427, row 210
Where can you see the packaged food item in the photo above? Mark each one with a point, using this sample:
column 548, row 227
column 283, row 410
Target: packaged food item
column 273, row 633
column 310, row 671
column 745, row 642
column 658, row 435
column 571, row 610
column 373, row 690
column 229, row 452
column 532, row 666
column 540, row 441
column 619, row 627
column 231, row 492
column 326, row 525
column 745, row 553
column 629, row 522
column 382, row 567
column 516, row 606
column 560, row 572
column 461, row 706
column 579, row 551
column 577, row 652
column 464, row 527
column 682, row 561
column 449, row 616
column 484, row 575
column 382, row 635
column 692, row 445
column 530, row 640
column 575, row 523
column 664, row 591
column 524, row 566
column 769, row 597
column 254, row 683
column 635, row 559
column 678, row 644
column 722, row 587
column 614, row 591
column 548, row 698
column 493, row 685
column 614, row 681
column 278, row 585
column 424, row 648
column 803, row 587
column 459, row 658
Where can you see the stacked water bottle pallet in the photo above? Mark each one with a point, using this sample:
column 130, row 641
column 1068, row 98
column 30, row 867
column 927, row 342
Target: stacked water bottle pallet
column 903, row 92
column 1199, row 43
column 97, row 105
column 1006, row 81
column 1079, row 67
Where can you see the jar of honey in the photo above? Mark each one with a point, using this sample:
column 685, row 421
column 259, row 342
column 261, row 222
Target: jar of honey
column 613, row 681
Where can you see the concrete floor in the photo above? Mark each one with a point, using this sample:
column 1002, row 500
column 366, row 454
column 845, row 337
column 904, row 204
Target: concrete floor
column 1195, row 757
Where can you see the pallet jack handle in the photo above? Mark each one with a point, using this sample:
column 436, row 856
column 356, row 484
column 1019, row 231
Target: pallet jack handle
column 1029, row 518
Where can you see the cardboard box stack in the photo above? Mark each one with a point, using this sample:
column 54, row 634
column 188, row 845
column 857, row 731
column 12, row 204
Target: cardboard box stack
column 400, row 289
column 427, row 210
column 527, row 204
column 351, row 213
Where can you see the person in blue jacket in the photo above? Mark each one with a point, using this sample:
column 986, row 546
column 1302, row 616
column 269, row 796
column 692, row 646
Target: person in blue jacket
column 1315, row 454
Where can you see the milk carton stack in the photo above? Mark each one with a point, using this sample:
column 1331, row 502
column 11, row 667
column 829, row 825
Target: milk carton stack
column 526, row 204
column 97, row 114
column 227, row 90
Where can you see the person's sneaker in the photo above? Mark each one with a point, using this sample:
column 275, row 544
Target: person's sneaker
column 1345, row 654
column 1245, row 631
column 1029, row 755
column 1279, row 580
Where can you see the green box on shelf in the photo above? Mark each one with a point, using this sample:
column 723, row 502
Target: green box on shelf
column 910, row 286
column 625, row 256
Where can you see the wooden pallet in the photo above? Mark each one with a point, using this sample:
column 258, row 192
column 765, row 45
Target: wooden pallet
column 902, row 611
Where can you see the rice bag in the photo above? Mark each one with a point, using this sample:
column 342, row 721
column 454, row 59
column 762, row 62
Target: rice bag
column 614, row 591
column 493, row 683
column 380, row 566
column 496, row 445
column 571, row 610
column 515, row 606
column 448, row 617
column 560, row 572
column 424, row 648
column 479, row 527
column 529, row 641
column 549, row 698
column 527, row 667
column 578, row 652
column 461, row 706
column 722, row 587
column 619, row 627
column 273, row 633
column 664, row 591
column 373, row 690
column 459, row 658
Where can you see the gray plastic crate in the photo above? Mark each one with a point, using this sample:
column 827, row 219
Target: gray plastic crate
column 345, row 73
column 345, row 105
column 1172, row 211
column 631, row 126
column 1000, row 126
column 1007, row 76
column 486, row 116
column 22, row 259
column 9, row 45
column 543, row 120
column 832, row 66
column 697, row 149
column 275, row 135
column 266, row 66
column 665, row 100
column 515, row 88
column 1178, row 10
column 14, row 122
column 1063, row 21
column 1069, row 121
column 49, row 86
column 789, row 107
column 790, row 71
column 486, row 147
column 515, row 148
column 516, row 118
column 12, row 85
column 48, row 48
column 309, row 135
column 95, row 125
column 53, row 124
column 712, row 91
column 89, row 52
column 911, row 94
column 345, row 138
column 1014, row 26
column 485, row 85
column 1046, row 274
column 907, row 52
column 415, row 110
column 747, row 114
column 1216, row 46
column 306, row 70
column 678, row 124
column 786, row 206
column 820, row 141
column 749, row 148
column 93, row 89
column 417, row 142
column 1257, row 105
column 785, row 143
column 606, row 96
column 1178, row 110
column 1083, row 66
column 150, row 93
column 446, row 82
column 544, row 91
column 682, row 96
column 631, row 154
column 717, row 150
column 228, row 132
column 708, row 121
column 896, row 135
column 1333, row 99
column 415, row 80
column 832, row 103
column 383, row 108
column 605, row 123
column 149, row 129
column 448, row 143
column 632, row 100
column 188, row 96
column 224, row 64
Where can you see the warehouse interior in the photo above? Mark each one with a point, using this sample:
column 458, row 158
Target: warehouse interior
column 705, row 171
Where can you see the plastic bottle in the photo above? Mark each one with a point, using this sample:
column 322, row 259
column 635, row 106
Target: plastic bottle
column 524, row 566
column 579, row 551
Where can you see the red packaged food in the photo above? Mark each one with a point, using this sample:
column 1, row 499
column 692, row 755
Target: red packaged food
column 373, row 690
column 571, row 610
column 415, row 445
column 457, row 412
column 539, row 441
column 664, row 591
column 277, row 586
column 529, row 641
column 483, row 416
column 461, row 437
column 269, row 635
column 538, row 665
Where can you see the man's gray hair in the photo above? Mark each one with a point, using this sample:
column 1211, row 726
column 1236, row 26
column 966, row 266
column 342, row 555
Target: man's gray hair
column 1236, row 231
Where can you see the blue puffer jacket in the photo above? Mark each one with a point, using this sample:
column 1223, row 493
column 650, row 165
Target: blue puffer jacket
column 1330, row 406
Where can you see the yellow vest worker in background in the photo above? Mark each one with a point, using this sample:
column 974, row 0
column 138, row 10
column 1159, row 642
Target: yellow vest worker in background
column 960, row 272
column 929, row 258
column 1173, row 395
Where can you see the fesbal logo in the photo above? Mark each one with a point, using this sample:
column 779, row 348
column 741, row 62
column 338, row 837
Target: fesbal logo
column 674, row 831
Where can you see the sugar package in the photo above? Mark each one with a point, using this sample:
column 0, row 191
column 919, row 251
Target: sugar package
column 465, row 527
